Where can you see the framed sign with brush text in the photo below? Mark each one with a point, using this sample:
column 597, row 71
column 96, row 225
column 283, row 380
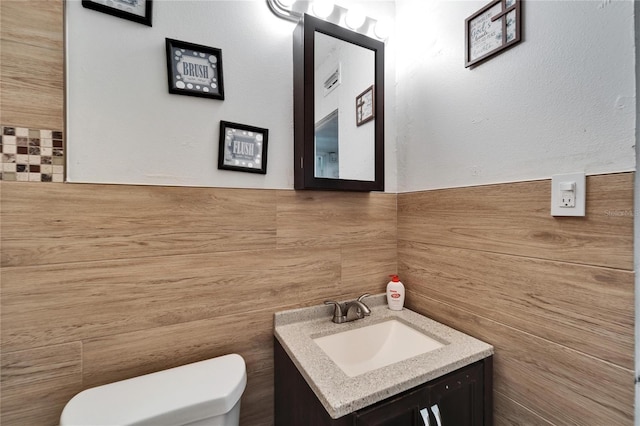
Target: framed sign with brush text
column 194, row 70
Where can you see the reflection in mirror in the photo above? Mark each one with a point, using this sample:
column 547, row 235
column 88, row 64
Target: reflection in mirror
column 342, row 71
column 338, row 108
column 327, row 148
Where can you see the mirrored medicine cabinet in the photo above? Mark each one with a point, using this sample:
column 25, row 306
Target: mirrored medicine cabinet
column 338, row 108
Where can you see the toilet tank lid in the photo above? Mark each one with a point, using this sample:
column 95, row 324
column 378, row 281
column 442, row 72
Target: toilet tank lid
column 175, row 396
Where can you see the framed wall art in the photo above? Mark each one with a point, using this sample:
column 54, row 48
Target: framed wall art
column 491, row 30
column 194, row 70
column 243, row 148
column 133, row 10
column 365, row 106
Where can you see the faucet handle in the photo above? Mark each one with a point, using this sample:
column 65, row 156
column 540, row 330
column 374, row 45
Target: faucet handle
column 337, row 311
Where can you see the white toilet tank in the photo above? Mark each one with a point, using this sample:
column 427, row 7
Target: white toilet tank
column 203, row 393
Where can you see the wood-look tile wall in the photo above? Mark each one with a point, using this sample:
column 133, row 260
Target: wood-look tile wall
column 102, row 283
column 554, row 296
column 32, row 64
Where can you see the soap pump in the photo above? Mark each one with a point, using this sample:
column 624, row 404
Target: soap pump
column 395, row 293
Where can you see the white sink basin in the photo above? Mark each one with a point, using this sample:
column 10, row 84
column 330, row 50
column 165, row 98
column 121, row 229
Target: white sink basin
column 374, row 346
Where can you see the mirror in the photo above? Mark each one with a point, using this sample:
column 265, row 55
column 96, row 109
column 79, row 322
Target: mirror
column 338, row 108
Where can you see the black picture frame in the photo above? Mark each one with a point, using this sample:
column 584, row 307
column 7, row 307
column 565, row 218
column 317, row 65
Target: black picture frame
column 243, row 148
column 365, row 106
column 491, row 30
column 194, row 69
column 139, row 11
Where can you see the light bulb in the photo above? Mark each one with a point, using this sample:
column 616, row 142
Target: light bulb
column 381, row 29
column 355, row 18
column 322, row 8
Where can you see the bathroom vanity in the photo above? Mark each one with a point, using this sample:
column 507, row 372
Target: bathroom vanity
column 449, row 384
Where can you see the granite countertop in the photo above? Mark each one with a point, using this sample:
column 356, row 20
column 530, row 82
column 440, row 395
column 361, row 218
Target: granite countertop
column 340, row 394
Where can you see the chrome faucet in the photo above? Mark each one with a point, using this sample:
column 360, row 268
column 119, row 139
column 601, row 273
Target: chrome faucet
column 349, row 311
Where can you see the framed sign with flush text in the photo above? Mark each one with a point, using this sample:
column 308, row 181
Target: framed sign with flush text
column 243, row 148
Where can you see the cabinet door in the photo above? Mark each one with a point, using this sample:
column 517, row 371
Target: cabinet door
column 400, row 411
column 457, row 399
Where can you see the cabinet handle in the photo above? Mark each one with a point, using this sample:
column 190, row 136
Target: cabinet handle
column 436, row 414
column 425, row 416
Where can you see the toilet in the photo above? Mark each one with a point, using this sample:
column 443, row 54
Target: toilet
column 205, row 393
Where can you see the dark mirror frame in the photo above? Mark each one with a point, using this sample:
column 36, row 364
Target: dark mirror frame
column 303, row 106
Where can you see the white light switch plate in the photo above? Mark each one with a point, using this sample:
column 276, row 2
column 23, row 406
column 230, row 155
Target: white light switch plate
column 558, row 207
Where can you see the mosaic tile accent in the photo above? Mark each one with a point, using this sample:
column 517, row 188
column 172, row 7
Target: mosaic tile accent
column 31, row 155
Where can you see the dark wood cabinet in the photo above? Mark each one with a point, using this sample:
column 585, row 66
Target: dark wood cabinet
column 400, row 410
column 460, row 398
column 456, row 399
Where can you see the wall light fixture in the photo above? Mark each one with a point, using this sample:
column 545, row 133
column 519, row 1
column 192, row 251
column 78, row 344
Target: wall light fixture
column 322, row 8
column 283, row 9
column 353, row 18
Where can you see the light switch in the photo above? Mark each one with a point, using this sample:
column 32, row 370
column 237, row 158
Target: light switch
column 568, row 194
column 568, row 186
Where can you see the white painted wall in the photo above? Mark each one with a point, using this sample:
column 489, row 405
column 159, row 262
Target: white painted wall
column 561, row 101
column 123, row 125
